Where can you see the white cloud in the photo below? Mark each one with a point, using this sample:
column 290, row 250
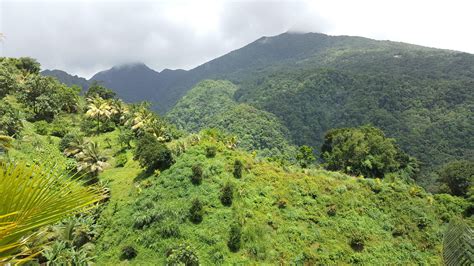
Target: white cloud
column 83, row 37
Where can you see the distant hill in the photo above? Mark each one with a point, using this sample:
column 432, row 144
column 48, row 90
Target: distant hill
column 67, row 78
column 137, row 82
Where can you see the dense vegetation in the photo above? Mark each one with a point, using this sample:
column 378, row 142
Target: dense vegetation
column 180, row 198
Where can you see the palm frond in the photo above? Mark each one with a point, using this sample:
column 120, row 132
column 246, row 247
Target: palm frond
column 458, row 244
column 32, row 197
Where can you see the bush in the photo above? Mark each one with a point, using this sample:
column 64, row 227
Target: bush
column 332, row 210
column 152, row 154
column 42, row 127
column 59, row 128
column 227, row 194
column 195, row 212
column 10, row 119
column 169, row 229
column 121, row 160
column 196, row 178
column 211, row 151
column 128, row 253
column 238, row 165
column 357, row 240
column 182, row 255
column 67, row 140
column 458, row 176
column 234, row 238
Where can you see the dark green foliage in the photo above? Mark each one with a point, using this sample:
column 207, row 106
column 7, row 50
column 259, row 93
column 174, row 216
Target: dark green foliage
column 332, row 210
column 360, row 151
column 357, row 240
column 59, row 128
column 211, row 151
column 227, row 194
column 128, row 253
column 458, row 176
column 121, row 160
column 10, row 119
column 210, row 104
column 67, row 140
column 196, row 177
column 182, row 255
column 42, row 127
column 305, row 156
column 29, row 65
column 152, row 154
column 46, row 97
column 238, row 166
column 97, row 90
column 195, row 212
column 125, row 138
column 235, row 236
column 8, row 83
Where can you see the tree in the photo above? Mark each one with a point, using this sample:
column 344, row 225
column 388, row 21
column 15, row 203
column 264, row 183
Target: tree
column 235, row 235
column 305, row 156
column 10, row 119
column 91, row 161
column 458, row 176
column 238, row 166
column 98, row 109
column 37, row 204
column 152, row 154
column 195, row 212
column 47, row 97
column 227, row 194
column 7, row 81
column 196, row 177
column 29, row 65
column 360, row 151
column 96, row 90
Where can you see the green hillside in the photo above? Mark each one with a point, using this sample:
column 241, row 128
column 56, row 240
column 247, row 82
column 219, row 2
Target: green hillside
column 180, row 198
column 211, row 105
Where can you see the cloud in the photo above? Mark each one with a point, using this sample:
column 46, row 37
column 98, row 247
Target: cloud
column 83, row 37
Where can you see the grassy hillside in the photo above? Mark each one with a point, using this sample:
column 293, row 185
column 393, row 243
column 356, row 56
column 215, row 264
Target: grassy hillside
column 285, row 215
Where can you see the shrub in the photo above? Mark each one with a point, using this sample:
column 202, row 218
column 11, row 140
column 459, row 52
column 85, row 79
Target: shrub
column 128, row 253
column 182, row 255
column 143, row 220
column 10, row 119
column 227, row 194
column 238, row 165
column 152, row 154
column 357, row 240
column 211, row 151
column 67, row 140
column 458, row 176
column 42, row 127
column 332, row 210
column 195, row 212
column 59, row 128
column 121, row 160
column 196, row 178
column 305, row 156
column 169, row 229
column 234, row 238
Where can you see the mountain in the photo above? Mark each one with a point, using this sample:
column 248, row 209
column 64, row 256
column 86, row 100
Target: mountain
column 311, row 83
column 67, row 78
column 137, row 82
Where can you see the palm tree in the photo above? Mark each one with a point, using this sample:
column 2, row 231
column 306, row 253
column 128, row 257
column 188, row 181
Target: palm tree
column 75, row 146
column 99, row 109
column 34, row 197
column 90, row 160
column 144, row 121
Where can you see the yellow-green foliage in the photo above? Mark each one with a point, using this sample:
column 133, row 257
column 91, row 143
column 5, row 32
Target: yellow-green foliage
column 286, row 216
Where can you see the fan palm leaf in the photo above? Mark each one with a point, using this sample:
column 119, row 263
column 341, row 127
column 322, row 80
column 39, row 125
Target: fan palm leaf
column 33, row 197
column 458, row 244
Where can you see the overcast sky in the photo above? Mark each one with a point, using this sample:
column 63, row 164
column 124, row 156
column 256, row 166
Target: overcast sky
column 83, row 37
